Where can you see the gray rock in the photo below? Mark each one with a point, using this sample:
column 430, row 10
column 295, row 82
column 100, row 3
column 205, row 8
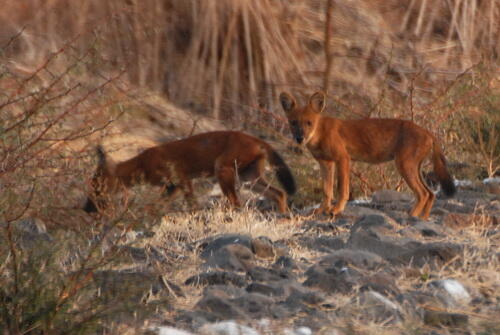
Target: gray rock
column 432, row 253
column 262, row 274
column 334, row 278
column 379, row 308
column 425, row 229
column 372, row 223
column 212, row 244
column 285, row 262
column 271, row 290
column 390, row 196
column 235, row 257
column 371, row 234
column 334, row 274
column 380, row 282
column 322, row 243
column 215, row 278
column 263, row 247
column 445, row 319
column 358, row 258
column 222, row 308
column 224, row 291
column 387, row 247
column 299, row 296
column 356, row 211
column 257, row 306
column 194, row 319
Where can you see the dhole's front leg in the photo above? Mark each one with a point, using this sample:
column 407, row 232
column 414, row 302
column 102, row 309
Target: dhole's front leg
column 327, row 176
column 343, row 166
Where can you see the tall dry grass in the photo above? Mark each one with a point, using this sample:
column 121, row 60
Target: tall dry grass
column 228, row 57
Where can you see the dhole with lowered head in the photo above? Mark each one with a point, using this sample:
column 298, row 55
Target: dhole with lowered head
column 223, row 154
column 335, row 142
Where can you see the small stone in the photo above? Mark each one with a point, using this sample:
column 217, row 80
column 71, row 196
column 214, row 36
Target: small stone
column 216, row 277
column 389, row 196
column 269, row 290
column 235, row 257
column 380, row 308
column 222, row 308
column 226, row 328
column 286, row 262
column 445, row 319
column 171, row 331
column 263, row 247
column 212, row 244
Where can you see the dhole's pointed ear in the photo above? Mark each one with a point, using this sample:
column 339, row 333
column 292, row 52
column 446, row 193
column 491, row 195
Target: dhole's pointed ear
column 287, row 102
column 317, row 101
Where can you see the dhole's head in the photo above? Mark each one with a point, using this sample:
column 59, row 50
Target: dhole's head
column 304, row 120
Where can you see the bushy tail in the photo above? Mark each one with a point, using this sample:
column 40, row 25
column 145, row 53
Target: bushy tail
column 101, row 156
column 90, row 205
column 283, row 172
column 444, row 177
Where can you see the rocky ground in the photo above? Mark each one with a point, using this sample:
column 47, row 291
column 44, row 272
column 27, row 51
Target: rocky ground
column 372, row 270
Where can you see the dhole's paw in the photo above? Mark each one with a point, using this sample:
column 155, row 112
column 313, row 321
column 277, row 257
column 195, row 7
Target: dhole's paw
column 336, row 210
column 323, row 210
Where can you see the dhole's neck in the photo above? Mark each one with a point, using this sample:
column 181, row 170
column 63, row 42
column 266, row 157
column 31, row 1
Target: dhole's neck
column 319, row 132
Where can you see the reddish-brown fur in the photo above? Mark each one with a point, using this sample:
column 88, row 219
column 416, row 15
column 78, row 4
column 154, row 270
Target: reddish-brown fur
column 223, row 154
column 336, row 142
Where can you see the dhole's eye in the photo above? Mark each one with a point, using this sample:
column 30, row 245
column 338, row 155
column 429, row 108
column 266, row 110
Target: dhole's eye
column 309, row 123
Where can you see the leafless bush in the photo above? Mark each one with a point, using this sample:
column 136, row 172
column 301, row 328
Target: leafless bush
column 48, row 116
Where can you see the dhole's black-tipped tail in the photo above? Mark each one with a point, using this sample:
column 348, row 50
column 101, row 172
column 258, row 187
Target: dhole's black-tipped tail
column 283, row 172
column 101, row 156
column 444, row 177
column 90, row 206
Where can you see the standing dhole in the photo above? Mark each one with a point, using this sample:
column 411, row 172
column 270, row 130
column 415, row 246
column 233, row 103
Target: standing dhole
column 223, row 154
column 333, row 141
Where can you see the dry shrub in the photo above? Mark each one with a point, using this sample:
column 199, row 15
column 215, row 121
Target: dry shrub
column 48, row 114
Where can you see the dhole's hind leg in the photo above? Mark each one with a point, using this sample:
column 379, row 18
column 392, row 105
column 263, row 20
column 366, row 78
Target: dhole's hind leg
column 430, row 199
column 255, row 173
column 264, row 187
column 409, row 170
column 187, row 189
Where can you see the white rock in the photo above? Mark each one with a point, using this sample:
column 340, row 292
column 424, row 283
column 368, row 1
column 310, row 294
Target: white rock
column 452, row 289
column 171, row 331
column 303, row 331
column 298, row 331
column 361, row 201
column 464, row 182
column 227, row 328
column 494, row 180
